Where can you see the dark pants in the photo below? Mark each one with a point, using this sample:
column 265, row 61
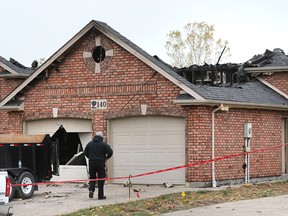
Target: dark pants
column 97, row 168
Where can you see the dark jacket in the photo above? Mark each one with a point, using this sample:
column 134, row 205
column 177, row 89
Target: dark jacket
column 97, row 150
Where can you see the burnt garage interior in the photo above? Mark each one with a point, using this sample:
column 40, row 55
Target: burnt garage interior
column 70, row 147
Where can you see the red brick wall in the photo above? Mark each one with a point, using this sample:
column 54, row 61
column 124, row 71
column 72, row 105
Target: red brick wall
column 229, row 132
column 7, row 85
column 126, row 84
column 10, row 122
column 279, row 80
column 199, row 143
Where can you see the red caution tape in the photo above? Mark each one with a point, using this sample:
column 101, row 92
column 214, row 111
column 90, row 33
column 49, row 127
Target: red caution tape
column 157, row 171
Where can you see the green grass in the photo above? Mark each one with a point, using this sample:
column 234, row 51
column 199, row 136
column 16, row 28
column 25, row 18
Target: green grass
column 175, row 202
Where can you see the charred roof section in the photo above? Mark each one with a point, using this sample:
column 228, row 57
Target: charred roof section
column 232, row 83
column 213, row 75
column 268, row 58
column 231, row 73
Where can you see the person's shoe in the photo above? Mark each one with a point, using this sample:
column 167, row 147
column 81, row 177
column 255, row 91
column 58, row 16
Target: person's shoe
column 91, row 194
column 102, row 198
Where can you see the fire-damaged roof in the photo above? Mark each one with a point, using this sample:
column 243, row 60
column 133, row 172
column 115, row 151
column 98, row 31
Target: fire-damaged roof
column 235, row 83
column 207, row 84
column 13, row 69
column 270, row 59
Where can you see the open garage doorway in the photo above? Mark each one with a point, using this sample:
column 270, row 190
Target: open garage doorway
column 70, row 147
column 73, row 136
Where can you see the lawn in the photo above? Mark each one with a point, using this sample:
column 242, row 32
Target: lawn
column 186, row 200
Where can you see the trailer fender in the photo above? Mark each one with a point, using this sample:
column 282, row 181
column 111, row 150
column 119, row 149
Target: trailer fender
column 12, row 189
column 15, row 172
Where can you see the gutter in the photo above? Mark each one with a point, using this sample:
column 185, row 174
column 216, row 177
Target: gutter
column 14, row 75
column 231, row 104
column 221, row 107
column 12, row 108
column 269, row 69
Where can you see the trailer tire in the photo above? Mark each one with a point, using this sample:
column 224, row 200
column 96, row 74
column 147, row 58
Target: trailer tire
column 27, row 191
column 12, row 189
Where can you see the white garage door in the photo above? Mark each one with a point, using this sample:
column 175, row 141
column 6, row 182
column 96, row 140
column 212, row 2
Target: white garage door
column 145, row 144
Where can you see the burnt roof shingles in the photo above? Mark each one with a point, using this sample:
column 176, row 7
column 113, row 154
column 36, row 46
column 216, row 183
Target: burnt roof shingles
column 271, row 59
column 278, row 59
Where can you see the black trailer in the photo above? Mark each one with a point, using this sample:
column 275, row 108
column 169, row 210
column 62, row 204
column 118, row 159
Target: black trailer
column 28, row 159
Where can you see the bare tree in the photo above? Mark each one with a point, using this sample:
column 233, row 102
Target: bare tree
column 195, row 46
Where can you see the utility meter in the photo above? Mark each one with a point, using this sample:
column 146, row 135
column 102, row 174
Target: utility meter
column 247, row 130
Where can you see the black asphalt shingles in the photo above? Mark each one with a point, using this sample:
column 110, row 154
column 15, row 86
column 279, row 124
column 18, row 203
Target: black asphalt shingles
column 16, row 68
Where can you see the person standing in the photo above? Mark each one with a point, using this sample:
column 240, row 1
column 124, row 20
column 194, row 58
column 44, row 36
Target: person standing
column 97, row 151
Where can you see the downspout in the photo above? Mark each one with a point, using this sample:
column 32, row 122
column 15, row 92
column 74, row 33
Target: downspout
column 222, row 108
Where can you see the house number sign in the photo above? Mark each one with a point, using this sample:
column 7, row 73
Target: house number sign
column 99, row 104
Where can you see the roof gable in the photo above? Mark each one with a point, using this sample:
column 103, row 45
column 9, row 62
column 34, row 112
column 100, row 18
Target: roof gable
column 120, row 40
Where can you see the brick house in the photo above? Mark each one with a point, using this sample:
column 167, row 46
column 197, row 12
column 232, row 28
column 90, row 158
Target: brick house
column 154, row 116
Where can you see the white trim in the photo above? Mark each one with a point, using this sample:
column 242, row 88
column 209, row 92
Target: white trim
column 13, row 108
column 18, row 75
column 272, row 87
column 8, row 68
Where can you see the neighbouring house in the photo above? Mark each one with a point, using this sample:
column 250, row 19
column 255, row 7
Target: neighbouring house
column 153, row 115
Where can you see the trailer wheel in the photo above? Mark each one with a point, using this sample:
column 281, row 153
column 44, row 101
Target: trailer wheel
column 12, row 189
column 27, row 191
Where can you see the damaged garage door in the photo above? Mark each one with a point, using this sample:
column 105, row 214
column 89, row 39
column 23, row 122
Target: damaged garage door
column 73, row 135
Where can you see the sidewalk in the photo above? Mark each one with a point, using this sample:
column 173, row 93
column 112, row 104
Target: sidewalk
column 257, row 207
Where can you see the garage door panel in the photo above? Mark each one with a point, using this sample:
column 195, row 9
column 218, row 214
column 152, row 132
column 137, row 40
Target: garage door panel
column 137, row 124
column 140, row 157
column 158, row 178
column 174, row 158
column 122, row 138
column 174, row 135
column 139, row 139
column 147, row 144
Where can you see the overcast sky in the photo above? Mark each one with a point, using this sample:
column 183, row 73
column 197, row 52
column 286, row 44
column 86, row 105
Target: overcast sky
column 34, row 29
